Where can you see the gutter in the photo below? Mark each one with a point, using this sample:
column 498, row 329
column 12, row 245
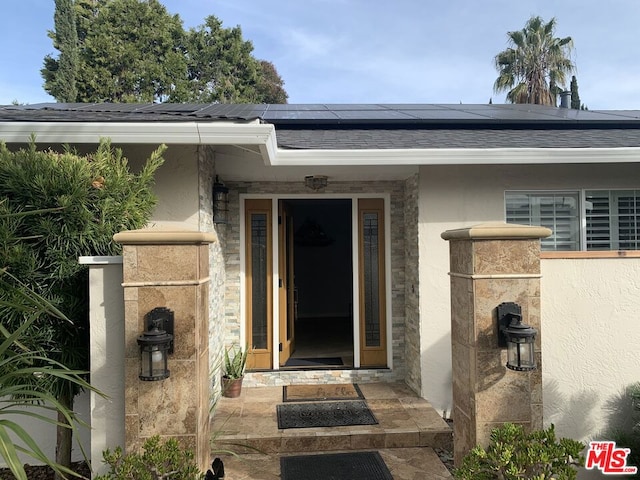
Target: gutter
column 176, row 133
column 263, row 135
column 456, row 156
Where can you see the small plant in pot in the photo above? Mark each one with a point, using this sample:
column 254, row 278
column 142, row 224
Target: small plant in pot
column 235, row 362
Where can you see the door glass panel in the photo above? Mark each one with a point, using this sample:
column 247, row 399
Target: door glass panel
column 371, row 280
column 259, row 267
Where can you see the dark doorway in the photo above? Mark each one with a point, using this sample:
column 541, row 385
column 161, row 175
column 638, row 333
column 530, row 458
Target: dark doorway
column 323, row 283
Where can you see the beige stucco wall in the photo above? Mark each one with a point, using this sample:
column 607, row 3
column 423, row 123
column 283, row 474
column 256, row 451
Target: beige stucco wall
column 176, row 184
column 590, row 311
column 597, row 296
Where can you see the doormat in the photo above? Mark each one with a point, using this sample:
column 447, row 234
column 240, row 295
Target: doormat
column 335, row 466
column 314, row 362
column 324, row 414
column 318, row 393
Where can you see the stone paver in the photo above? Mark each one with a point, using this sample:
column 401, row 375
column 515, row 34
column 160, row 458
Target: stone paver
column 408, row 428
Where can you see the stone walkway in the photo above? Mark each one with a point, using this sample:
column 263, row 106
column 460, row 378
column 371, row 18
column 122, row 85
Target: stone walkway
column 407, row 431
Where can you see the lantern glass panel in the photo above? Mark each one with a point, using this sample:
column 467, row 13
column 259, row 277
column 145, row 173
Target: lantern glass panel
column 520, row 354
column 153, row 362
column 220, row 207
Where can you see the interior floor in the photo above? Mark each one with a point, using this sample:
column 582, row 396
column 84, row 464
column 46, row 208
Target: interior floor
column 324, row 337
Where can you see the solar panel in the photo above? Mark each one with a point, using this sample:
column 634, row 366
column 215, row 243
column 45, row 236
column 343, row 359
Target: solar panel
column 300, row 115
column 352, row 114
column 227, row 110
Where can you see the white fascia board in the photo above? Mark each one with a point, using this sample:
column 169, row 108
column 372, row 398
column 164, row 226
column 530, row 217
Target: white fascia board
column 92, row 132
column 456, row 156
column 217, row 133
column 192, row 133
column 155, row 133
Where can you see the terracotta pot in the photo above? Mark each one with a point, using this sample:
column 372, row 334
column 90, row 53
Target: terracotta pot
column 231, row 387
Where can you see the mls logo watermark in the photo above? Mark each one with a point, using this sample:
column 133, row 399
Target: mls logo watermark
column 609, row 459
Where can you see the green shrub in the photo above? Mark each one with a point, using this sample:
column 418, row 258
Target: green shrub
column 628, row 435
column 159, row 460
column 514, row 454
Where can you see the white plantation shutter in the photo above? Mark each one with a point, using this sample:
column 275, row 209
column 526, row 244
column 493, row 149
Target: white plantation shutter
column 598, row 220
column 612, row 218
column 555, row 210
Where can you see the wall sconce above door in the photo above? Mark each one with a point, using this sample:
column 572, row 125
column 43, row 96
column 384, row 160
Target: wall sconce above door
column 220, row 202
column 315, row 182
column 518, row 337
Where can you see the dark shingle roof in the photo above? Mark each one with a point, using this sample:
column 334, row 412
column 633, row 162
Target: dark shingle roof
column 375, row 126
column 456, row 138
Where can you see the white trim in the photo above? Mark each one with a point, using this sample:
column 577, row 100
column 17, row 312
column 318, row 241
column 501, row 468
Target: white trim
column 100, row 260
column 243, row 275
column 355, row 278
column 275, row 291
column 456, row 156
column 185, row 133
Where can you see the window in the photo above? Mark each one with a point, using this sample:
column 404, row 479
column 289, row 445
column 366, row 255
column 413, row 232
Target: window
column 580, row 219
column 555, row 210
column 612, row 219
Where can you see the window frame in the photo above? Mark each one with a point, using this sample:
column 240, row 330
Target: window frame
column 582, row 214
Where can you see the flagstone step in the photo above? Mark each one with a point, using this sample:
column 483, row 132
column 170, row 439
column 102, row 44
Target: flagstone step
column 249, row 424
column 403, row 463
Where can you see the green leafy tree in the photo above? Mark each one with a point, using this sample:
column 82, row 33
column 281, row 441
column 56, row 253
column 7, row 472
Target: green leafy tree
column 534, row 67
column 135, row 51
column 84, row 201
column 271, row 86
column 221, row 65
column 62, row 83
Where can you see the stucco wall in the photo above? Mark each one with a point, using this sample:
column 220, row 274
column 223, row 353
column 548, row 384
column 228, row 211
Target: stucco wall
column 176, row 184
column 590, row 341
column 597, row 296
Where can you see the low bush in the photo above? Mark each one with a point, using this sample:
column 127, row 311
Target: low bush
column 159, row 460
column 514, row 454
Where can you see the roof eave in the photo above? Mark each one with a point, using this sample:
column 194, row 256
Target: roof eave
column 456, row 156
column 154, row 133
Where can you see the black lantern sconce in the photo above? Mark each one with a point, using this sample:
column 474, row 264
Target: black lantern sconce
column 156, row 344
column 220, row 202
column 518, row 337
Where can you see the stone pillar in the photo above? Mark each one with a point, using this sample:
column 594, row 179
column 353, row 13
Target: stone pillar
column 168, row 269
column 490, row 264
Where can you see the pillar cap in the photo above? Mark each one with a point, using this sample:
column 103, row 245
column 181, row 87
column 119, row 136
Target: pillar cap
column 497, row 231
column 164, row 237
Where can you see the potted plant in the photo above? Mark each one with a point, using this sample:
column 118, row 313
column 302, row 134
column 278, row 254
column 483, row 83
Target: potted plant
column 235, row 362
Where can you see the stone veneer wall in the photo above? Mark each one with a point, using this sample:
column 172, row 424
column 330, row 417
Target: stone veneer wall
column 412, row 279
column 217, row 270
column 396, row 189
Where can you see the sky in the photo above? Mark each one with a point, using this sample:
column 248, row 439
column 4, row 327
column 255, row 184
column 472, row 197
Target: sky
column 376, row 51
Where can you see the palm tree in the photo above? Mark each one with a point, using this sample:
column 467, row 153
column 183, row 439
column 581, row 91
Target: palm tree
column 535, row 66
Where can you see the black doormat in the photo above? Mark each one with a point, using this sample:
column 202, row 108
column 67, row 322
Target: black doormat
column 314, row 362
column 324, row 414
column 335, row 466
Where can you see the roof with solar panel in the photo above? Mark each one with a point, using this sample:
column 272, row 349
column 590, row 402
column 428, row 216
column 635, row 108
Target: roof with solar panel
column 375, row 126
